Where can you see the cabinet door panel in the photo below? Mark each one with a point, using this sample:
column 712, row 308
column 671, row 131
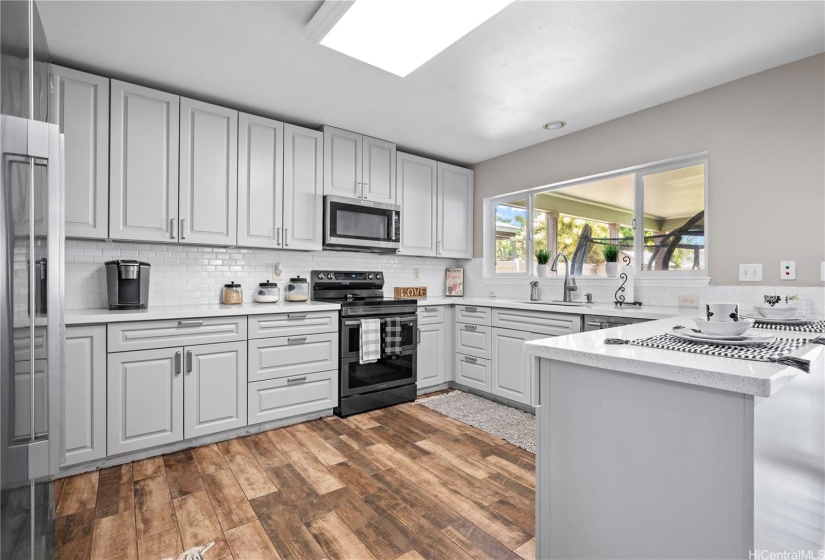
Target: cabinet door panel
column 208, row 173
column 84, row 402
column 270, row 358
column 342, row 162
column 303, row 198
column 23, row 402
column 144, row 399
column 431, row 351
column 260, row 181
column 379, row 170
column 473, row 372
column 290, row 396
column 417, row 184
column 214, row 388
column 455, row 212
column 80, row 106
column 512, row 368
column 143, row 174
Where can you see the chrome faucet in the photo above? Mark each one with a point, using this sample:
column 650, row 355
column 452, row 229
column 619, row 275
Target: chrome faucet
column 534, row 290
column 569, row 283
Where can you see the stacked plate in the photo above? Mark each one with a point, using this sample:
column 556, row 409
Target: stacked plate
column 712, row 332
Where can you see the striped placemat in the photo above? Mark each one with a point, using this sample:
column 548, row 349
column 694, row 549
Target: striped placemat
column 813, row 326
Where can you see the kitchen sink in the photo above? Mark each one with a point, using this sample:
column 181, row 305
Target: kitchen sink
column 567, row 303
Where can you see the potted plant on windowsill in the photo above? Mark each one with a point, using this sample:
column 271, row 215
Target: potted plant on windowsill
column 542, row 258
column 611, row 260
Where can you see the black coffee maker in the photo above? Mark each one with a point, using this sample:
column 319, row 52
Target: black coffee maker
column 127, row 282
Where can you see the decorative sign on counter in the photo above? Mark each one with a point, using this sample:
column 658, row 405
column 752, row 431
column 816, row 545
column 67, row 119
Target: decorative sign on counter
column 412, row 292
column 455, row 282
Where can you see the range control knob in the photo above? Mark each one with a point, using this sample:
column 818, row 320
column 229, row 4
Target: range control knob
column 370, row 276
column 320, row 276
column 378, row 277
column 330, row 276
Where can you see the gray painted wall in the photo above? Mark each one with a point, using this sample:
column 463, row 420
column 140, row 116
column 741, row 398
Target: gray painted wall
column 765, row 135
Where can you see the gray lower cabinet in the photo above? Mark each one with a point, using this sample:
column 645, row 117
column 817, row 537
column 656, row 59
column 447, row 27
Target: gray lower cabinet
column 271, row 358
column 214, row 388
column 22, row 402
column 145, row 399
column 143, row 164
column 512, row 372
column 84, row 410
column 473, row 340
column 432, row 343
column 473, row 372
column 275, row 399
column 80, row 106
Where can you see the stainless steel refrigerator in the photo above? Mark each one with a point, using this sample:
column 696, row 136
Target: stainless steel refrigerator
column 32, row 331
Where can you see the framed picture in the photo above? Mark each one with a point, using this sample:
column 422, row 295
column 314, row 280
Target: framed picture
column 455, row 282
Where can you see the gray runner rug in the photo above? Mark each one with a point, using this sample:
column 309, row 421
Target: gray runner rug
column 508, row 423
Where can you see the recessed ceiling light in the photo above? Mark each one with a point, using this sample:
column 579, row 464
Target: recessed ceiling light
column 400, row 35
column 555, row 125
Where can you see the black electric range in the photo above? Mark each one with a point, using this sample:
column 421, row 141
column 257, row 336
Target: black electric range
column 392, row 378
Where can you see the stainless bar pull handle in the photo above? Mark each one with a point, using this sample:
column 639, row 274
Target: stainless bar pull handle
column 358, row 189
column 183, row 231
column 362, row 191
column 188, row 361
column 177, row 362
column 296, row 340
column 470, row 359
column 440, row 247
column 430, row 309
column 296, row 316
column 190, row 323
column 418, row 339
column 470, row 309
column 594, row 324
column 286, row 237
column 301, row 379
column 278, row 236
column 173, row 229
column 470, row 327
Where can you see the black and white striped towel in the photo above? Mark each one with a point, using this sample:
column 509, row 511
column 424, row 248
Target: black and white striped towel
column 392, row 336
column 776, row 351
column 813, row 326
column 370, row 350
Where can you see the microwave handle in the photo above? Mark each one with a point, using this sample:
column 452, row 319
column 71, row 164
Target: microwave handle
column 395, row 219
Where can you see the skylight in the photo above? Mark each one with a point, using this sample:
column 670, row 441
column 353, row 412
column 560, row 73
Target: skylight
column 400, row 35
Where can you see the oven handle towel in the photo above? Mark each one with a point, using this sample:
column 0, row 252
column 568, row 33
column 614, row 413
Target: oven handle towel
column 370, row 349
column 392, row 336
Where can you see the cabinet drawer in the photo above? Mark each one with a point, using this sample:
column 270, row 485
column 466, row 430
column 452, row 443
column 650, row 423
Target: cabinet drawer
column 430, row 314
column 473, row 340
column 292, row 324
column 275, row 399
column 145, row 335
column 554, row 324
column 271, row 358
column 472, row 314
column 473, row 372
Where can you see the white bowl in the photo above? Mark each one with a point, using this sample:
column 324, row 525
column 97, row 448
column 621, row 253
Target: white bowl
column 723, row 328
column 778, row 311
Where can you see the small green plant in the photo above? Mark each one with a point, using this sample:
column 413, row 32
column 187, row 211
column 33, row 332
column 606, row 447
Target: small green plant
column 610, row 253
column 543, row 256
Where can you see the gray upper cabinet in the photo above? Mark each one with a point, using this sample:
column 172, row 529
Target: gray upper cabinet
column 455, row 212
column 358, row 166
column 208, row 173
column 303, row 180
column 80, row 106
column 418, row 196
column 84, row 410
column 215, row 388
column 144, row 399
column 260, row 182
column 143, row 173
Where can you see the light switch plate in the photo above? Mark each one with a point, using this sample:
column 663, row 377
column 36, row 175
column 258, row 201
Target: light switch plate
column 750, row 272
column 787, row 270
column 416, row 274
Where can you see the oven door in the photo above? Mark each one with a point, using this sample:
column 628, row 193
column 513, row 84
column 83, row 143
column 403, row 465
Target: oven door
column 361, row 224
column 388, row 371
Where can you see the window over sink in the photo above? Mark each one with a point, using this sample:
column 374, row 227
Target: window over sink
column 654, row 216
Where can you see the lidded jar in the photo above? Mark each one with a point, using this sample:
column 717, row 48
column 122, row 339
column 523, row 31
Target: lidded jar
column 232, row 294
column 297, row 289
column 268, row 292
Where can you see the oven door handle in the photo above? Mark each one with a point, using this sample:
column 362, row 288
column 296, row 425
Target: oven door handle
column 404, row 320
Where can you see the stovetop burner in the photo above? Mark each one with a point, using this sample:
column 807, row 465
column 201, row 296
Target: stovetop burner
column 357, row 290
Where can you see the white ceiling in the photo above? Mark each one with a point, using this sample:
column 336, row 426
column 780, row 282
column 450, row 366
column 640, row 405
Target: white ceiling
column 488, row 94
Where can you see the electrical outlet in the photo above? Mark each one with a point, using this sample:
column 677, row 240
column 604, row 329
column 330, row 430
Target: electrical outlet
column 492, row 293
column 416, row 274
column 787, row 270
column 688, row 300
column 750, row 272
column 276, row 270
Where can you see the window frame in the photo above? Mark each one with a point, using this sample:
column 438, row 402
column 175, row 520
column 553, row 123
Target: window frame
column 699, row 277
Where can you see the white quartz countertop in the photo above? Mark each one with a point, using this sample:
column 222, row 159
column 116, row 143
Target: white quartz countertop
column 93, row 316
column 749, row 377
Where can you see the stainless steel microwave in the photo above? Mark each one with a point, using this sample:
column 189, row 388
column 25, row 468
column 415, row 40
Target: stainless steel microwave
column 361, row 225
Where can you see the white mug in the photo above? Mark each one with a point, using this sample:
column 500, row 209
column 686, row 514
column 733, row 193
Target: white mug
column 722, row 311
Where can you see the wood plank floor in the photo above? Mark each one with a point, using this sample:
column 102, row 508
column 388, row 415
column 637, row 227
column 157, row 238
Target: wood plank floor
column 404, row 482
